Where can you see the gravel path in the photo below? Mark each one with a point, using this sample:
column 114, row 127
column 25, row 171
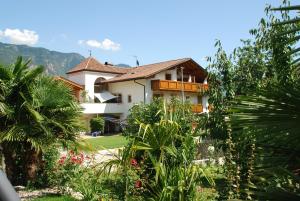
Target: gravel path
column 29, row 195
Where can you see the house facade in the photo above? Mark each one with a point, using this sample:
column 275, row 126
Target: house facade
column 111, row 91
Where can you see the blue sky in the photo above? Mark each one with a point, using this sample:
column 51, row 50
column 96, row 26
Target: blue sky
column 115, row 30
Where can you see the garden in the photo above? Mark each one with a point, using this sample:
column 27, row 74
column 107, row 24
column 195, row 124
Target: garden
column 246, row 148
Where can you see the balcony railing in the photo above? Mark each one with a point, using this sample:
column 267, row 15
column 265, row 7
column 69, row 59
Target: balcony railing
column 169, row 85
column 197, row 108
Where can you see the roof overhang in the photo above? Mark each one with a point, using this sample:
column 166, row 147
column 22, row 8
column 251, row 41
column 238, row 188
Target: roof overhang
column 189, row 65
column 69, row 82
column 96, row 71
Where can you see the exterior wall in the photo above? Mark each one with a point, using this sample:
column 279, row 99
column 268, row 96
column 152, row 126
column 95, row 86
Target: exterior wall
column 162, row 75
column 167, row 95
column 149, row 92
column 126, row 88
column 90, row 78
column 129, row 88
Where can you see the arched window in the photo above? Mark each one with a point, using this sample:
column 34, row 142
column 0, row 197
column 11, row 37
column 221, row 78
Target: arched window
column 99, row 86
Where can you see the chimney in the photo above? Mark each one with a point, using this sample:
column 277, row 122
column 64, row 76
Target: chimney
column 108, row 64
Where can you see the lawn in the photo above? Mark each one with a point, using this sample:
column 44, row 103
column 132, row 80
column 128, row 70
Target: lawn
column 55, row 198
column 107, row 142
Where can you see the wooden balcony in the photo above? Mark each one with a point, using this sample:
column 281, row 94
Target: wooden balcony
column 169, row 85
column 197, row 108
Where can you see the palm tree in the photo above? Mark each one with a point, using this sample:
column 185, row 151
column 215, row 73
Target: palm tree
column 294, row 21
column 39, row 112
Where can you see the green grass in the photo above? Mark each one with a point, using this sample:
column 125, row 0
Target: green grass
column 55, row 198
column 107, row 142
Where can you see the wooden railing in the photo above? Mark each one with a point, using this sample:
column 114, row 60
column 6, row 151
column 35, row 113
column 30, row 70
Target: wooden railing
column 197, row 108
column 169, row 85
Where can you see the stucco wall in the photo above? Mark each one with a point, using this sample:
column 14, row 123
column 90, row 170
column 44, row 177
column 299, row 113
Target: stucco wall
column 90, row 78
column 162, row 75
column 129, row 88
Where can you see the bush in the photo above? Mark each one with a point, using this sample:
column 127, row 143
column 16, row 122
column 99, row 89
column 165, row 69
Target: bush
column 50, row 156
column 97, row 124
column 79, row 173
column 158, row 161
column 143, row 113
column 153, row 112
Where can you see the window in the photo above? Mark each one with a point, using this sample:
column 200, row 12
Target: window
column 118, row 99
column 168, row 76
column 187, row 98
column 129, row 99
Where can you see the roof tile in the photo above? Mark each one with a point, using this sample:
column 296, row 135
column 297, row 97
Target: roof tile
column 91, row 64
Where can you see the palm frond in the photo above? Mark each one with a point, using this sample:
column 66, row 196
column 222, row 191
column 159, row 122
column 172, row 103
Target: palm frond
column 287, row 8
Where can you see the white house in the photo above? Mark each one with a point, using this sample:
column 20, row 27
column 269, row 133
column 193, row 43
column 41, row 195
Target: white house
column 111, row 91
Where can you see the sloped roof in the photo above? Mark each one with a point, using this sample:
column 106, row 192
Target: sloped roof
column 152, row 69
column 91, row 64
column 69, row 82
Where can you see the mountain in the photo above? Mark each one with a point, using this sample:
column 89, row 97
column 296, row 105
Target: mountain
column 55, row 63
column 123, row 65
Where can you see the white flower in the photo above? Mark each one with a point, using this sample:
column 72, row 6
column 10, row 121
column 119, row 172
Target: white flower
column 211, row 149
column 212, row 161
column 221, row 161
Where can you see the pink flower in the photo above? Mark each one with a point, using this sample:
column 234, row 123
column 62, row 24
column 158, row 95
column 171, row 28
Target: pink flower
column 61, row 161
column 133, row 162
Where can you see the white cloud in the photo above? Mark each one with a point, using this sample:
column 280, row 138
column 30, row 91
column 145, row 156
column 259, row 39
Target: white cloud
column 106, row 44
column 18, row 36
column 94, row 43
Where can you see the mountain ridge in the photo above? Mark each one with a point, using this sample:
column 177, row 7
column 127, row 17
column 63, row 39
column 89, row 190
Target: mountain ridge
column 55, row 62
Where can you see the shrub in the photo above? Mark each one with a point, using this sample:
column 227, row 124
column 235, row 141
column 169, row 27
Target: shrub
column 79, row 173
column 50, row 157
column 158, row 161
column 143, row 113
column 97, row 124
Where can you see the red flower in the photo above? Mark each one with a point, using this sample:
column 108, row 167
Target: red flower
column 74, row 159
column 61, row 161
column 138, row 184
column 133, row 162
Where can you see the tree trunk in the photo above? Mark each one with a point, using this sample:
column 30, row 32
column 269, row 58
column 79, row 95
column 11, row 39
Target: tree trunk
column 33, row 163
column 22, row 163
column 10, row 159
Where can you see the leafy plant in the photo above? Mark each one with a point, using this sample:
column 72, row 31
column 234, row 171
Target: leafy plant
column 157, row 162
column 36, row 112
column 97, row 124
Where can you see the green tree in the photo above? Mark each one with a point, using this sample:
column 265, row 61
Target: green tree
column 39, row 113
